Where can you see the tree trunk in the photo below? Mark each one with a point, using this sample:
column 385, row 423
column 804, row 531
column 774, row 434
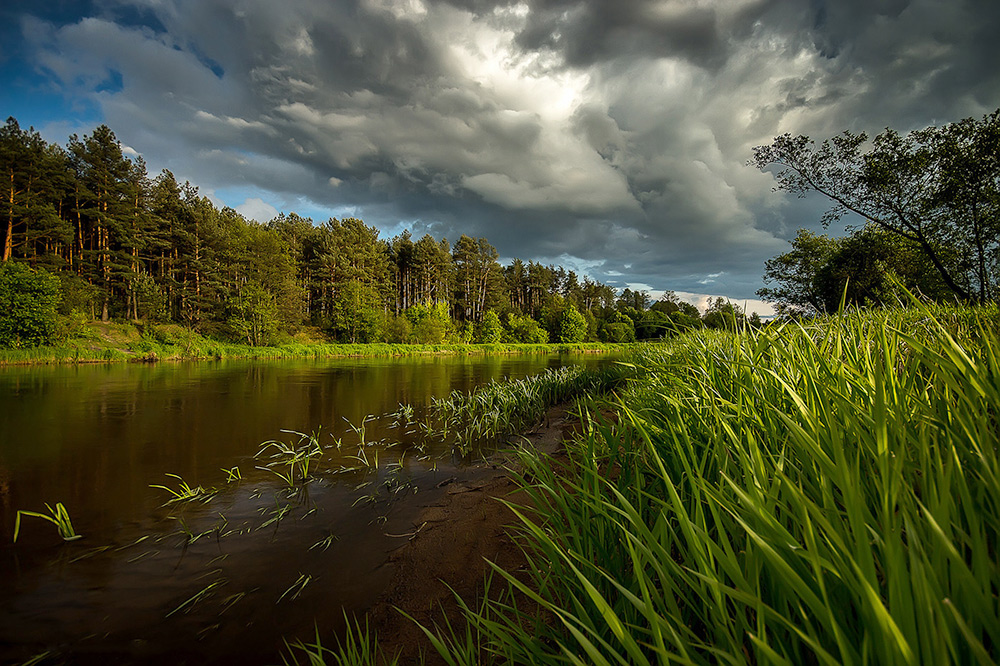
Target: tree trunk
column 8, row 241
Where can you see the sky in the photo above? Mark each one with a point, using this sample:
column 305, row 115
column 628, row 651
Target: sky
column 607, row 136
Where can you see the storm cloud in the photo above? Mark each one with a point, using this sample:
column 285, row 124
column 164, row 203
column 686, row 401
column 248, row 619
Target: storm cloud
column 608, row 135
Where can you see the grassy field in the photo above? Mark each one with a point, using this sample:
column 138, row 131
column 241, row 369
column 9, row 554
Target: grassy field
column 101, row 342
column 823, row 493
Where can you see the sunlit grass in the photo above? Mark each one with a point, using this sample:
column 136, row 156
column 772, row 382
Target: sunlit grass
column 820, row 493
column 184, row 491
column 358, row 647
column 103, row 342
column 505, row 407
column 291, row 461
column 58, row 516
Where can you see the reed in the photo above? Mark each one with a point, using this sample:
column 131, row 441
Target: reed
column 503, row 408
column 58, row 516
column 296, row 588
column 358, row 647
column 233, row 474
column 184, row 491
column 291, row 461
column 202, row 594
column 825, row 492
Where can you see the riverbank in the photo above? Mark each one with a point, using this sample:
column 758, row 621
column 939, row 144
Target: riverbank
column 446, row 556
column 112, row 342
column 824, row 491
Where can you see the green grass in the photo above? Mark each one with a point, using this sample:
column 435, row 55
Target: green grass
column 505, row 407
column 58, row 516
column 826, row 493
column 185, row 492
column 116, row 342
column 359, row 647
column 290, row 461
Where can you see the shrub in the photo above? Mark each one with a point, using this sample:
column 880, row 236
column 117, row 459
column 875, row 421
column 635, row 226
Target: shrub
column 572, row 326
column 525, row 329
column 619, row 329
column 431, row 322
column 490, row 330
column 28, row 302
column 397, row 329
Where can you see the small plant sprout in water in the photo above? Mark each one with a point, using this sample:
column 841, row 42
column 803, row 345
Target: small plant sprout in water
column 184, row 492
column 360, row 429
column 233, row 474
column 324, row 544
column 202, row 594
column 367, row 462
column 58, row 516
column 293, row 592
column 290, row 462
column 190, row 536
column 403, row 416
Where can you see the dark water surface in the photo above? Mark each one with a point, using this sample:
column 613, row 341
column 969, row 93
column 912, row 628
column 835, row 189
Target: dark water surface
column 228, row 578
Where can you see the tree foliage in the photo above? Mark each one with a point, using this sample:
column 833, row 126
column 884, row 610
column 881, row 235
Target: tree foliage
column 936, row 188
column 28, row 302
column 523, row 328
column 129, row 246
column 573, row 326
column 490, row 329
column 619, row 328
column 253, row 315
column 430, row 323
column 793, row 275
column 866, row 268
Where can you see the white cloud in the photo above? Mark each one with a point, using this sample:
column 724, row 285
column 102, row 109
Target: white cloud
column 257, row 209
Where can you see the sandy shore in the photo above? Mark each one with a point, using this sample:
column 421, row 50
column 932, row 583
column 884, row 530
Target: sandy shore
column 459, row 528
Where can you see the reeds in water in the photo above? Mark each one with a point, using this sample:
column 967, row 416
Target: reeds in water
column 58, row 516
column 501, row 408
column 291, row 461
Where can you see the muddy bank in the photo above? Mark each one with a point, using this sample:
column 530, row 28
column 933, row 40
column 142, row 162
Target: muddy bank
column 462, row 526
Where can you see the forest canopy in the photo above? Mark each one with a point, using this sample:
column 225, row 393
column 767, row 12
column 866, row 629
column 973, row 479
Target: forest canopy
column 127, row 246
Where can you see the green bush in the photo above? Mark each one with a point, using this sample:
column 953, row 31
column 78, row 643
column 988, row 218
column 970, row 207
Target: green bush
column 525, row 329
column 572, row 326
column 431, row 324
column 618, row 329
column 490, row 330
column 28, row 302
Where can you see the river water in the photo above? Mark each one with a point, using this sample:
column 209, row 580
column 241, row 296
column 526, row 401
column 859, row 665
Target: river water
column 253, row 560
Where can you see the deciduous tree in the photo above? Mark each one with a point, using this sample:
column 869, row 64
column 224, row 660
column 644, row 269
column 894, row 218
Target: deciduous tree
column 938, row 187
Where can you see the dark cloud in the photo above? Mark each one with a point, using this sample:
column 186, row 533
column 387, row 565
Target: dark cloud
column 607, row 134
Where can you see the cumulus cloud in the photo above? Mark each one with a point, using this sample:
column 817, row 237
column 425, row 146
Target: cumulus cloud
column 256, row 208
column 611, row 133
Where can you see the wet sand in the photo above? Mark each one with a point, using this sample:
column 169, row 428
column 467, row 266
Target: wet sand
column 461, row 528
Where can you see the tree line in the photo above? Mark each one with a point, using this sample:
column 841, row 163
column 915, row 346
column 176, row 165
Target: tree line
column 119, row 244
column 930, row 201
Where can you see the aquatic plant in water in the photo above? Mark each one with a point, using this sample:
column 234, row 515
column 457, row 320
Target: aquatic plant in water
column 184, row 492
column 58, row 516
column 290, row 462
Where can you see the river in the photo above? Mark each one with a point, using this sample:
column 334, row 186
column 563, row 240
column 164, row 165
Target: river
column 253, row 560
